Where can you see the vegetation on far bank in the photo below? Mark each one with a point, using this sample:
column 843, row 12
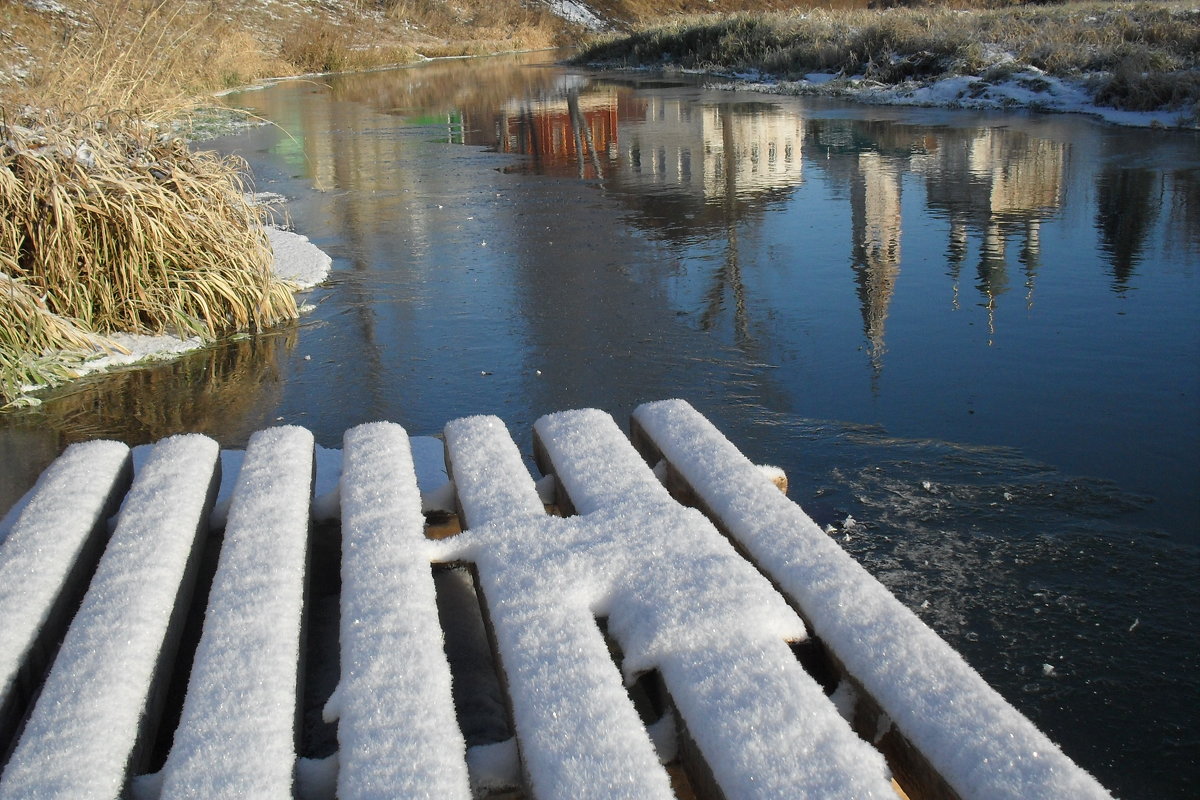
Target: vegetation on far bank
column 111, row 224
column 1135, row 56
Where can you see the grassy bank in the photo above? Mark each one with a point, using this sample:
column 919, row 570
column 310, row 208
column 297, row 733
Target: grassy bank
column 1135, row 56
column 107, row 225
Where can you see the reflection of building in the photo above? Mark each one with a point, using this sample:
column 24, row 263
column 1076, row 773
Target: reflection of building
column 572, row 129
column 999, row 183
column 870, row 158
column 875, row 222
column 713, row 150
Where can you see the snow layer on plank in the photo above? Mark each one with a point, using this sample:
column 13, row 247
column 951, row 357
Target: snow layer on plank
column 236, row 735
column 397, row 731
column 678, row 597
column 979, row 743
column 579, row 734
column 37, row 556
column 85, row 725
column 490, row 478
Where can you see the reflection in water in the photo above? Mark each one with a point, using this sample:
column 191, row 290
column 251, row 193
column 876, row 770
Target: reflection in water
column 999, row 182
column 226, row 391
column 517, row 239
column 1185, row 209
column 875, row 221
column 1127, row 203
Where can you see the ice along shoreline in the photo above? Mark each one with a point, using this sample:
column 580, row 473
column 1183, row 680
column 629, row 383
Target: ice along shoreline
column 297, row 261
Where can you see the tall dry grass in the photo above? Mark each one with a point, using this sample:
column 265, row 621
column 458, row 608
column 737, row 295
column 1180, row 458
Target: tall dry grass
column 108, row 225
column 481, row 27
column 1146, row 54
column 152, row 58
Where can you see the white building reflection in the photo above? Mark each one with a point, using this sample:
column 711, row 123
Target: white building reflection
column 716, row 151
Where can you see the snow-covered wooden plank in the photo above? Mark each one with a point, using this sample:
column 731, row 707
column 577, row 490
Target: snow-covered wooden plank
column 593, row 463
column 397, row 732
column 578, row 733
column 236, row 735
column 101, row 701
column 490, row 479
column 686, row 603
column 45, row 561
column 978, row 743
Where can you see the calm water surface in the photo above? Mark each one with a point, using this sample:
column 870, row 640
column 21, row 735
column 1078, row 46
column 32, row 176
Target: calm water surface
column 975, row 335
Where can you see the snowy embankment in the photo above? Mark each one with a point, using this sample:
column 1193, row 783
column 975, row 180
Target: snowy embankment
column 297, row 261
column 1024, row 87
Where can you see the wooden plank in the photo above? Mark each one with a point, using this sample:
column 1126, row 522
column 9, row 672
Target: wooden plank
column 397, row 730
column 45, row 563
column 98, row 710
column 571, row 713
column 236, row 735
column 957, row 736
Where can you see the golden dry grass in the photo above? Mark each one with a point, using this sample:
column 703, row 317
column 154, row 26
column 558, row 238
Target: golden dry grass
column 154, row 58
column 108, row 225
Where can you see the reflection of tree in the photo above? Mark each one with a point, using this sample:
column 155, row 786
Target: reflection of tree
column 729, row 277
column 1127, row 202
column 1185, row 207
column 453, row 86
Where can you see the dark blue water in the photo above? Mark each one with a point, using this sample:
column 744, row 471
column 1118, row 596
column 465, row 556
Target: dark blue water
column 970, row 339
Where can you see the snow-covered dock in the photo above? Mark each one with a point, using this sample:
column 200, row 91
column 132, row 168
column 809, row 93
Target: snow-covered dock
column 652, row 619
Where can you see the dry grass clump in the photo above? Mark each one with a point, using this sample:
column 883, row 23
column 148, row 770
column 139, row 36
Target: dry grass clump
column 1148, row 53
column 154, row 57
column 107, row 225
column 318, row 45
column 480, row 27
column 28, row 333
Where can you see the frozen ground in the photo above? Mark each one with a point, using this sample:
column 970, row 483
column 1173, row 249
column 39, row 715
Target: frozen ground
column 1025, row 87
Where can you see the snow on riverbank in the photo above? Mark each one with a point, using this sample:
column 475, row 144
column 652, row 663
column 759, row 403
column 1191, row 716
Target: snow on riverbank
column 1025, row 88
column 297, row 261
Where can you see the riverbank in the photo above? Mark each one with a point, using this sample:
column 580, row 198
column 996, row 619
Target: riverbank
column 296, row 261
column 1134, row 64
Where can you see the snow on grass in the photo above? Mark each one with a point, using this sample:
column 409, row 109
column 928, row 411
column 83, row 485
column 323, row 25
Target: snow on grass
column 61, row 520
column 84, row 728
column 394, row 695
column 577, row 13
column 979, row 743
column 236, row 735
column 678, row 598
column 1026, row 87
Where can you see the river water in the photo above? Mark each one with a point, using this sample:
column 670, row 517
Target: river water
column 971, row 339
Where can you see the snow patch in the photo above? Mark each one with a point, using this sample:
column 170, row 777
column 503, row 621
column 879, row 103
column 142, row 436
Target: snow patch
column 577, row 13
column 1026, row 88
column 297, row 260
